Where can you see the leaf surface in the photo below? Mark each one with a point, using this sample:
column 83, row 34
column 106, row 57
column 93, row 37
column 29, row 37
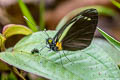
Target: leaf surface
column 92, row 63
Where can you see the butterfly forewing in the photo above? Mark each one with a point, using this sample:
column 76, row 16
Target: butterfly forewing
column 62, row 30
column 78, row 33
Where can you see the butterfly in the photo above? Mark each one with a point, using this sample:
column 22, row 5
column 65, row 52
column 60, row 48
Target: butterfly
column 77, row 33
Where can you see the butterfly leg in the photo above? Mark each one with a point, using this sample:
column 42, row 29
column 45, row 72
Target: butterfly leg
column 60, row 58
column 67, row 57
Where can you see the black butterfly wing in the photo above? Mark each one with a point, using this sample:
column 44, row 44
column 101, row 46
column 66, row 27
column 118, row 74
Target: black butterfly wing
column 82, row 31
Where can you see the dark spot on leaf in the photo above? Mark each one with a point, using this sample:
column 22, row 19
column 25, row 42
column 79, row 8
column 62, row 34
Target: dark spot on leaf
column 35, row 51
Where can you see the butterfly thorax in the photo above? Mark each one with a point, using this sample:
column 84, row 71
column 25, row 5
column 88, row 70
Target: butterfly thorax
column 53, row 45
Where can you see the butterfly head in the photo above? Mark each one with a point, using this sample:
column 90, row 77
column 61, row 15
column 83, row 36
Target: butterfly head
column 55, row 46
column 49, row 41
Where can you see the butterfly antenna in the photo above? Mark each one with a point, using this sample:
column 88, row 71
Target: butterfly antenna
column 34, row 25
column 46, row 33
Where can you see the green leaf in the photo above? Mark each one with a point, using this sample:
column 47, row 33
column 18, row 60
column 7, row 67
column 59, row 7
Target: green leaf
column 27, row 14
column 2, row 42
column 3, row 66
column 13, row 29
column 101, row 10
column 11, row 76
column 2, row 39
column 42, row 16
column 113, row 41
column 110, row 50
column 92, row 63
column 116, row 3
column 7, row 76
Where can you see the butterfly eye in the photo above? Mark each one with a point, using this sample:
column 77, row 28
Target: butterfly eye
column 50, row 41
